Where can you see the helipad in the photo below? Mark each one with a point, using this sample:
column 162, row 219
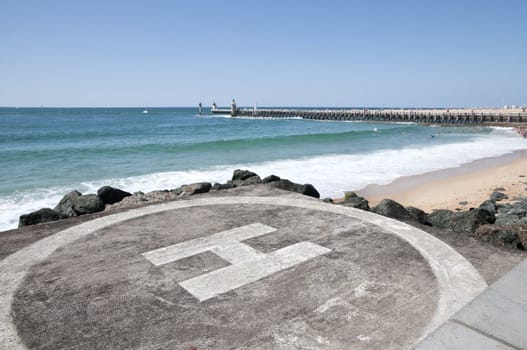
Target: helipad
column 281, row 272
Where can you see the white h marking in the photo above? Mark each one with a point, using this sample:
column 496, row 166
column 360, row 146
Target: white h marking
column 247, row 264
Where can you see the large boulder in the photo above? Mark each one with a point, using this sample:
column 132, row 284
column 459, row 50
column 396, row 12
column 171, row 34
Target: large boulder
column 348, row 195
column 39, row 216
column 219, row 187
column 307, row 189
column 244, row 178
column 489, row 205
column 392, row 209
column 270, row 178
column 462, row 222
column 110, row 195
column 75, row 204
column 240, row 175
column 66, row 205
column 253, row 180
column 441, row 218
column 418, row 215
column 469, row 221
column 162, row 195
column 284, row 184
column 511, row 235
column 87, row 204
column 351, row 199
column 195, row 188
column 513, row 213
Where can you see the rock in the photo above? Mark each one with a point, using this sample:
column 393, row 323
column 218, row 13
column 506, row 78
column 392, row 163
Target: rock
column 39, row 216
column 512, row 213
column 75, row 204
column 270, row 178
column 392, row 209
column 463, row 203
column 418, row 215
column 244, row 178
column 135, row 200
column 351, row 199
column 219, row 187
column 513, row 235
column 307, row 189
column 356, row 202
column 284, row 184
column 87, row 204
column 441, row 218
column 110, row 195
column 66, row 205
column 253, row 180
column 240, row 175
column 162, row 195
column 328, row 200
column 462, row 222
column 499, row 189
column 489, row 205
column 498, row 196
column 348, row 195
column 195, row 188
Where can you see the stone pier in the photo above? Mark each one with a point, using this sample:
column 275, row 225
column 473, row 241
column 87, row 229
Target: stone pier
column 499, row 117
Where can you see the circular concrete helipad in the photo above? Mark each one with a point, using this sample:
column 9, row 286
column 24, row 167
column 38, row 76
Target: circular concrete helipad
column 233, row 273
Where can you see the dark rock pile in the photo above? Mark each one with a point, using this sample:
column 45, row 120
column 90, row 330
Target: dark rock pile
column 108, row 198
column 501, row 224
column 110, row 195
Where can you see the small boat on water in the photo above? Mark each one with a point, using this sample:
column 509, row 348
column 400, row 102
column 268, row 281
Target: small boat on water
column 145, row 111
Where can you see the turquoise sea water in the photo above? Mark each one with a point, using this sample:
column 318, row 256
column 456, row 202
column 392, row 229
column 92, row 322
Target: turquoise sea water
column 44, row 152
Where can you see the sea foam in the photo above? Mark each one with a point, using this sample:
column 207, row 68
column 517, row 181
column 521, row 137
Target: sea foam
column 331, row 174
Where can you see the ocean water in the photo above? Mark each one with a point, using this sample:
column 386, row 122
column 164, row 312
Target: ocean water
column 46, row 152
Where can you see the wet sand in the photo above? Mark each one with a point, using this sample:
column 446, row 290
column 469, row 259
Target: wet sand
column 446, row 189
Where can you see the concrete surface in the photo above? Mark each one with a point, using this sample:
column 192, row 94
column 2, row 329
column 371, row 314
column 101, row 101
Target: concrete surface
column 358, row 280
column 496, row 319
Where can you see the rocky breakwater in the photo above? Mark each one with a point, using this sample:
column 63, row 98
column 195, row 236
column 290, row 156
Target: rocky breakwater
column 500, row 224
column 75, row 203
column 110, row 199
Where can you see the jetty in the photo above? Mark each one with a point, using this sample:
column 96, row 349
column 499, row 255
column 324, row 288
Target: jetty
column 486, row 117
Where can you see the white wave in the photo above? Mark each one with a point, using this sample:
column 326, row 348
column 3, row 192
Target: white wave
column 331, row 174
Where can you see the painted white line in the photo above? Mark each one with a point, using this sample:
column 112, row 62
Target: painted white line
column 458, row 281
column 220, row 243
column 248, row 264
column 235, row 276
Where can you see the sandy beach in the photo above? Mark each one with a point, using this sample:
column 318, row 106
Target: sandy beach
column 450, row 188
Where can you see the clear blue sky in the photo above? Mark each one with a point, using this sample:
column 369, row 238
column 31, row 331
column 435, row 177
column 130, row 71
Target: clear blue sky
column 286, row 52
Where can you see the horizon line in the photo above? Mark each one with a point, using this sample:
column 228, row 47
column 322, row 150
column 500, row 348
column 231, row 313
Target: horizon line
column 277, row 106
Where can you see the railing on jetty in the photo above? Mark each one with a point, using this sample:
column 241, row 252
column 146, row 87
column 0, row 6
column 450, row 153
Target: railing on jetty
column 420, row 116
